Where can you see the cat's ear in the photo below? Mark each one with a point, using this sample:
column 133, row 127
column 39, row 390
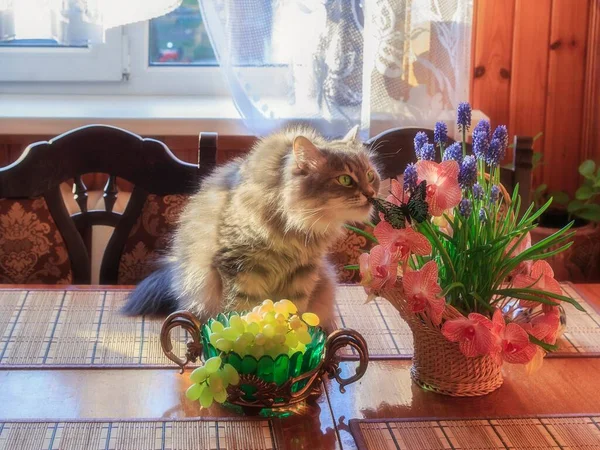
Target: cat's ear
column 352, row 135
column 308, row 157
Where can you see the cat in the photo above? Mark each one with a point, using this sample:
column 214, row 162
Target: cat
column 260, row 227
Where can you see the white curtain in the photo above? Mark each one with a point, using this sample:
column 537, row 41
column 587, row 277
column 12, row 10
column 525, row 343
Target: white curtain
column 337, row 63
column 74, row 22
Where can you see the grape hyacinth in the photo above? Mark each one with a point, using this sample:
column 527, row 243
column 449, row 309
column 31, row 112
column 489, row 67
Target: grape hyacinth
column 495, row 152
column 480, row 143
column 454, row 153
column 420, row 140
column 482, row 215
column 465, row 207
column 468, row 172
column 478, row 191
column 482, row 125
column 501, row 133
column 494, row 194
column 427, row 152
column 440, row 133
column 410, row 178
column 463, row 116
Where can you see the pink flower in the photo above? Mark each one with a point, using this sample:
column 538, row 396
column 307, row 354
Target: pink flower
column 443, row 191
column 545, row 327
column 542, row 278
column 514, row 346
column 401, row 242
column 378, row 270
column 422, row 289
column 524, row 267
column 473, row 334
column 397, row 195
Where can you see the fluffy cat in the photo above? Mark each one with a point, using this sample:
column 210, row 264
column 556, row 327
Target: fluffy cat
column 260, row 227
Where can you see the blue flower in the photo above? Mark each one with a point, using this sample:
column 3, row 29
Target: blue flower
column 477, row 191
column 495, row 152
column 454, row 153
column 463, row 116
column 482, row 215
column 420, row 140
column 480, row 144
column 465, row 207
column 410, row 178
column 468, row 172
column 501, row 133
column 494, row 194
column 427, row 152
column 440, row 133
column 483, row 125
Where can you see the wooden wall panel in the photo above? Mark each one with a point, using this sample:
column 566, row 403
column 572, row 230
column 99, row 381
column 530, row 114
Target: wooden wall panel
column 591, row 109
column 564, row 107
column 492, row 36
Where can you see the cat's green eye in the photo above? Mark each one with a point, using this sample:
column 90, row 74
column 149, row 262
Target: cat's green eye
column 371, row 176
column 345, row 180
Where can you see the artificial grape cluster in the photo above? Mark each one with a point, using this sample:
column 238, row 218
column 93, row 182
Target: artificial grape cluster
column 269, row 329
column 211, row 381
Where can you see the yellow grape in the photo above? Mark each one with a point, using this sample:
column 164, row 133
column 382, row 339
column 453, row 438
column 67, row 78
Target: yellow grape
column 215, row 382
column 281, row 329
column 216, row 327
column 224, row 345
column 291, row 340
column 230, row 334
column 311, row 319
column 279, row 338
column 265, row 309
column 281, row 308
column 290, row 306
column 212, row 364
column 221, row 396
column 260, row 339
column 194, row 391
column 206, row 398
column 304, row 336
column 281, row 318
column 237, row 324
column 269, row 345
column 253, row 328
column 230, row 374
column 214, row 337
column 257, row 351
column 199, row 375
column 267, row 302
column 269, row 330
column 248, row 337
column 297, row 324
column 300, row 347
column 252, row 317
column 269, row 317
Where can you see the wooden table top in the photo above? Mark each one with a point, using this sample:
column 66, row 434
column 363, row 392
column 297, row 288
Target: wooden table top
column 562, row 386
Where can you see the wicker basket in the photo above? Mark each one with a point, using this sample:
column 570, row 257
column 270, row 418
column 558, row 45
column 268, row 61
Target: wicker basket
column 438, row 364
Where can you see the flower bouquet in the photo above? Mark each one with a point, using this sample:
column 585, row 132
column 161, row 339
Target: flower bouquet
column 456, row 260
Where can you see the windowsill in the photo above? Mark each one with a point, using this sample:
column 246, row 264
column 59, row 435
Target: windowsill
column 144, row 115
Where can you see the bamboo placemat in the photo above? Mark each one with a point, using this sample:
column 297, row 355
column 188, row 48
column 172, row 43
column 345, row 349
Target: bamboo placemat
column 57, row 328
column 388, row 336
column 140, row 435
column 510, row 433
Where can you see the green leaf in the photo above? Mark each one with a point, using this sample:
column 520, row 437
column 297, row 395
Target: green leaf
column 520, row 292
column 587, row 168
column 541, row 188
column 537, row 136
column 584, row 193
column 362, row 233
column 560, row 197
column 544, row 345
column 589, row 212
column 352, row 267
column 574, row 205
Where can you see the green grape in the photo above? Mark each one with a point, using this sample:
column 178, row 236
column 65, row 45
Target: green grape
column 240, row 346
column 248, row 337
column 304, row 337
column 300, row 347
column 269, row 345
column 279, row 338
column 206, row 398
column 215, row 383
column 214, row 337
column 257, row 351
column 230, row 374
column 260, row 339
column 230, row 334
column 220, row 397
column 269, row 330
column 216, row 326
column 253, row 328
column 269, row 317
column 199, row 375
column 311, row 319
column 213, row 364
column 281, row 329
column 224, row 345
column 297, row 324
column 194, row 391
column 281, row 318
column 291, row 339
column 237, row 324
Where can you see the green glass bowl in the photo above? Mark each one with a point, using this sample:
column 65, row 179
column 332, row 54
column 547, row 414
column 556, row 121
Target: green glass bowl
column 278, row 370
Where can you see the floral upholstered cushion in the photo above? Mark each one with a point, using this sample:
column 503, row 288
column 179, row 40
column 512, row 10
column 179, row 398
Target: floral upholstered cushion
column 346, row 252
column 32, row 250
column 150, row 237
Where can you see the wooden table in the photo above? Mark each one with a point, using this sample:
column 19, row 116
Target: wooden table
column 563, row 386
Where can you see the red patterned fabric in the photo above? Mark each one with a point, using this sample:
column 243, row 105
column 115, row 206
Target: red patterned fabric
column 346, row 252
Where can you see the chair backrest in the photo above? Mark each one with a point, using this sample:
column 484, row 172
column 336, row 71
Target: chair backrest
column 161, row 184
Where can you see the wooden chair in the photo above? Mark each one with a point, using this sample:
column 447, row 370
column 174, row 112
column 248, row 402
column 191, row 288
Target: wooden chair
column 161, row 182
column 395, row 149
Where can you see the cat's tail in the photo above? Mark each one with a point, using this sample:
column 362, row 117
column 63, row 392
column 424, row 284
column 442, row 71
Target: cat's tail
column 153, row 296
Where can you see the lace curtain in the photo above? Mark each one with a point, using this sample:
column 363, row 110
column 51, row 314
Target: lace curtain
column 338, row 63
column 74, row 22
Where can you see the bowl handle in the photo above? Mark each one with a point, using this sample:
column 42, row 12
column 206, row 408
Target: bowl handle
column 335, row 341
column 191, row 324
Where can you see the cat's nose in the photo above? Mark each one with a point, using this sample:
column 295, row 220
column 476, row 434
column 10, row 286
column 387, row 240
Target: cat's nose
column 370, row 193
